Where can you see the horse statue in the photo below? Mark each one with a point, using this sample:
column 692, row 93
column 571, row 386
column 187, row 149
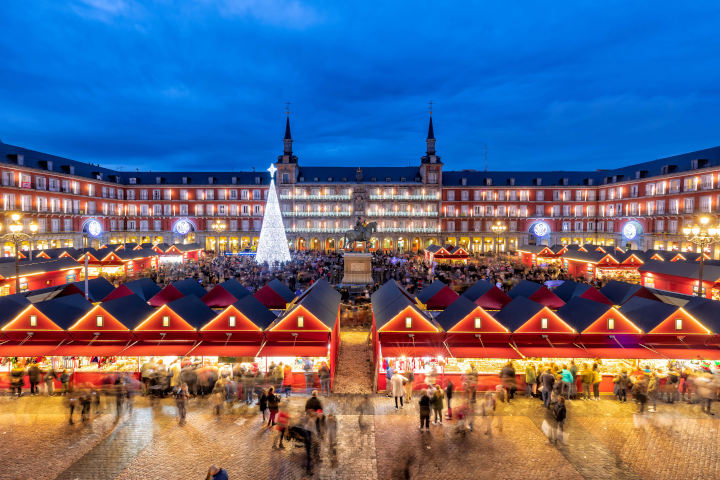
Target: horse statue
column 360, row 234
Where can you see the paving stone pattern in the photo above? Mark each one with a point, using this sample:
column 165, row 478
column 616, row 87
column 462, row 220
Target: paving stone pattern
column 354, row 371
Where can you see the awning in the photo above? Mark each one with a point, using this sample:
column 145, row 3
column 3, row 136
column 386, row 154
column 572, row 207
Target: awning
column 169, row 350
column 559, row 351
column 394, row 351
column 690, row 353
column 484, row 352
column 293, row 351
column 623, row 353
column 226, row 350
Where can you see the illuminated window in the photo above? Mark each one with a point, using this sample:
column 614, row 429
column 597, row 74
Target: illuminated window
column 231, row 321
column 301, row 322
column 543, row 323
column 477, row 322
column 33, row 320
column 99, row 321
column 611, row 324
column 408, row 322
column 678, row 324
column 166, row 321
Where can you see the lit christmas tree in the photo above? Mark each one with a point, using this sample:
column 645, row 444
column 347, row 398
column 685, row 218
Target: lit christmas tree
column 273, row 245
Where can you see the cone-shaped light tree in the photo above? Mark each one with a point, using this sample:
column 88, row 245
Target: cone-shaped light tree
column 273, row 244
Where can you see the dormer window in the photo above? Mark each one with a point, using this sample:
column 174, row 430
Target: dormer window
column 388, row 179
column 132, row 180
column 232, row 321
column 408, row 322
column 166, row 321
column 543, row 323
column 478, row 323
column 33, row 320
column 678, row 324
column 99, row 321
column 300, row 322
column 611, row 324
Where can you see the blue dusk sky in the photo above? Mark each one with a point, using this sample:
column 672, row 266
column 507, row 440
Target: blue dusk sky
column 201, row 85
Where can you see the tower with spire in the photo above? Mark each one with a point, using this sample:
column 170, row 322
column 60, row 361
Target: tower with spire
column 430, row 164
column 287, row 162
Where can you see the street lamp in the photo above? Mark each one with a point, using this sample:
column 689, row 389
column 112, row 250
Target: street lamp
column 703, row 236
column 218, row 226
column 16, row 235
column 498, row 228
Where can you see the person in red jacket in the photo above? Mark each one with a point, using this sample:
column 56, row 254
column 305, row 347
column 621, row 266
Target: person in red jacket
column 283, row 420
column 287, row 380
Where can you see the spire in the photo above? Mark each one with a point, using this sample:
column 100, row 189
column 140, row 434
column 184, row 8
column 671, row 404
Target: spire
column 287, row 128
column 431, row 133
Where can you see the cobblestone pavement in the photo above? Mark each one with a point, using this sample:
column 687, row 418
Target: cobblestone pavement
column 605, row 440
column 354, row 371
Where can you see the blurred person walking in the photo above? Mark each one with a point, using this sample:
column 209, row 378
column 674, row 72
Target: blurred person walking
column 273, row 402
column 34, row 377
column 560, row 414
column 17, row 379
column 216, row 473
column 597, row 378
column 530, row 378
column 449, row 391
column 586, row 376
column 181, row 401
column 409, row 384
column 487, row 410
column 283, row 421
column 653, row 390
column 309, row 375
column 547, row 381
column 398, row 390
column 50, row 377
column 507, row 378
column 263, row 404
column 437, row 405
column 324, row 375
column 287, row 380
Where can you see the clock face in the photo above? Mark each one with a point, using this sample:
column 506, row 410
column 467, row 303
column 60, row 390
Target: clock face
column 182, row 227
column 541, row 229
column 629, row 231
column 94, row 229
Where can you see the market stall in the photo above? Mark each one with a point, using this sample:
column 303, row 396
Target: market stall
column 437, row 295
column 177, row 290
column 308, row 329
column 144, row 288
column 275, row 295
column 487, row 295
column 681, row 277
column 569, row 290
column 620, row 292
column 537, row 293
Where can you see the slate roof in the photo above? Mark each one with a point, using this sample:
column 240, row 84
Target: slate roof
column 258, row 313
column 689, row 269
column 143, row 288
column 281, row 289
column 620, row 292
column 192, row 310
column 11, row 306
column 706, row 311
column 226, row 293
column 525, row 288
column 645, row 313
column 389, row 300
column 190, row 286
column 517, row 312
column 679, row 163
column 569, row 289
column 430, row 291
column 477, row 289
column 130, row 310
column 323, row 301
column 580, row 313
column 98, row 289
column 7, row 269
column 455, row 312
column 65, row 311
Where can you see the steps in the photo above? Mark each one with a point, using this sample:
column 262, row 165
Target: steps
column 354, row 368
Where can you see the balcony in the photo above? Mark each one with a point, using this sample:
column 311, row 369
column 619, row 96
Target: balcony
column 317, row 214
column 405, row 197
column 400, row 213
column 316, row 197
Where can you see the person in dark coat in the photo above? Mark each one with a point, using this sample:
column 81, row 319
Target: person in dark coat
column 547, row 380
column 17, row 380
column 263, row 404
column 449, row 389
column 273, row 402
column 35, row 377
column 424, row 404
column 560, row 413
column 507, row 377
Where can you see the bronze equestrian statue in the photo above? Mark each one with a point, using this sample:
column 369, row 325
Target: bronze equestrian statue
column 361, row 233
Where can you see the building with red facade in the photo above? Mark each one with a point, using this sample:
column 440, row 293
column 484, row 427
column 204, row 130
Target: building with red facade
column 643, row 206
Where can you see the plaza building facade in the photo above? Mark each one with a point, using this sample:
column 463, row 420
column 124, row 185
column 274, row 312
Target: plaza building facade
column 640, row 206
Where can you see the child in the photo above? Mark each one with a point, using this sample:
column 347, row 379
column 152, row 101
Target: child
column 283, row 420
column 424, row 410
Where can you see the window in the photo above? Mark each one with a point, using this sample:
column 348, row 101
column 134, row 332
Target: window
column 408, row 322
column 300, row 322
column 33, row 320
column 678, row 324
column 166, row 321
column 478, row 323
column 451, row 195
column 611, row 324
column 99, row 321
column 543, row 323
column 231, row 321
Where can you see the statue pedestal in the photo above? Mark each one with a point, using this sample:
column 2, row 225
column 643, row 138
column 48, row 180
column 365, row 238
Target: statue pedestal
column 358, row 269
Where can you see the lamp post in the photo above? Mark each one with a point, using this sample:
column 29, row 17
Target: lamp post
column 498, row 228
column 218, row 226
column 703, row 235
column 16, row 235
